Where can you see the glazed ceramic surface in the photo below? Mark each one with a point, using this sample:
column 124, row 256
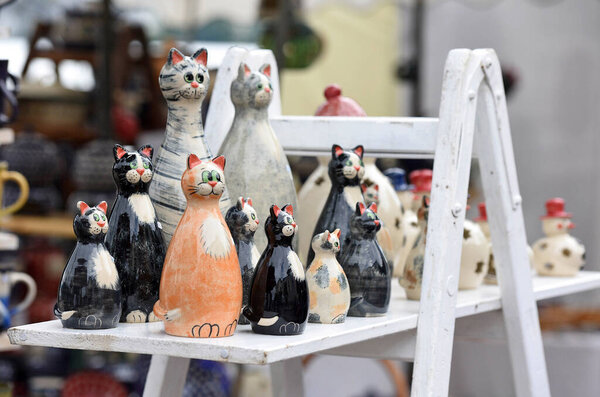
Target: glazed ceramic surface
column 412, row 274
column 279, row 293
column 370, row 192
column 421, row 179
column 243, row 222
column 313, row 194
column 559, row 253
column 474, row 260
column 8, row 308
column 184, row 82
column 89, row 295
column 257, row 166
column 201, row 284
column 134, row 238
column 365, row 265
column 327, row 282
column 346, row 169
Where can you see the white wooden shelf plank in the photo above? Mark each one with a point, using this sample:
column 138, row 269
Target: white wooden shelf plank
column 391, row 137
column 249, row 348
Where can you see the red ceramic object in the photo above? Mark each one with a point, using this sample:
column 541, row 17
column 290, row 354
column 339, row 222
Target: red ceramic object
column 555, row 208
column 338, row 105
column 421, row 179
column 482, row 213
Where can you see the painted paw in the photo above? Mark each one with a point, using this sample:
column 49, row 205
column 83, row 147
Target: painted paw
column 67, row 315
column 90, row 321
column 152, row 317
column 136, row 316
column 173, row 315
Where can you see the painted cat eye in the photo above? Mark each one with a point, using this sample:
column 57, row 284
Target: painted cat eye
column 188, row 77
column 260, row 86
column 349, row 163
column 336, row 244
column 200, row 78
column 361, row 163
column 253, row 217
column 371, row 215
column 270, row 86
column 289, row 221
column 96, row 217
column 103, row 217
column 216, row 176
column 206, row 176
column 146, row 165
column 133, row 165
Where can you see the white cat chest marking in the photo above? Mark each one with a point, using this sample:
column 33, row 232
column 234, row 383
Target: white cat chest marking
column 216, row 241
column 104, row 267
column 353, row 195
column 296, row 265
column 266, row 322
column 142, row 207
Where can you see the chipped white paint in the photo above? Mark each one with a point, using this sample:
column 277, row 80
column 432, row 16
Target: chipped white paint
column 142, row 207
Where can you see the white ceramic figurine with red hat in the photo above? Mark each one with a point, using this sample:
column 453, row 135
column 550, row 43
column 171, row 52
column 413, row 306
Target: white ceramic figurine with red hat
column 559, row 253
column 475, row 257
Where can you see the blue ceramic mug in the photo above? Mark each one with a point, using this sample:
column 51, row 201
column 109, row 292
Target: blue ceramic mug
column 8, row 279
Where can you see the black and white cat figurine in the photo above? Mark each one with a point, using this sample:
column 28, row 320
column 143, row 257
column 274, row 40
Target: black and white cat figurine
column 279, row 293
column 243, row 222
column 365, row 265
column 346, row 169
column 89, row 294
column 134, row 237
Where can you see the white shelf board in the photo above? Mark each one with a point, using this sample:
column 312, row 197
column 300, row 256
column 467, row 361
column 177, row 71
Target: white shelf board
column 249, row 348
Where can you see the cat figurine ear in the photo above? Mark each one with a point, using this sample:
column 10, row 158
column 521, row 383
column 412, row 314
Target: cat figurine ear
column 289, row 209
column 249, row 201
column 193, row 161
column 201, row 56
column 363, row 187
column 274, row 213
column 243, row 71
column 336, row 151
column 119, row 152
column 325, row 236
column 240, row 203
column 266, row 70
column 103, row 206
column 359, row 150
column 147, row 151
column 360, row 208
column 220, row 162
column 174, row 57
column 83, row 207
column 373, row 207
column 337, row 232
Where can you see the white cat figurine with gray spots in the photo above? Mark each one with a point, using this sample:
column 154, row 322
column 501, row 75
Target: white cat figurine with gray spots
column 256, row 164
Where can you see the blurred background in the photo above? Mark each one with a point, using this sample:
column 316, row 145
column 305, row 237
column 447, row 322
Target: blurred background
column 87, row 78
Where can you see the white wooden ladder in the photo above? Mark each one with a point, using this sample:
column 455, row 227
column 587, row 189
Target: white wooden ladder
column 473, row 115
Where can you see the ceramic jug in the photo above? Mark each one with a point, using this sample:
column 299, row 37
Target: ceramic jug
column 257, row 166
column 8, row 279
column 184, row 82
column 5, row 176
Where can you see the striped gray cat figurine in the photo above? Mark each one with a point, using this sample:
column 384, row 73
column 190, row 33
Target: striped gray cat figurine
column 256, row 164
column 184, row 82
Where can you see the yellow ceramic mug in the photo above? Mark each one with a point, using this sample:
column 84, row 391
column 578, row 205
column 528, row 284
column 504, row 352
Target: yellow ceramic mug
column 6, row 175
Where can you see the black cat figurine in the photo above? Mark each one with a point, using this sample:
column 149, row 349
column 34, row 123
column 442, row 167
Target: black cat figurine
column 134, row 237
column 279, row 292
column 243, row 222
column 89, row 294
column 346, row 169
column 364, row 263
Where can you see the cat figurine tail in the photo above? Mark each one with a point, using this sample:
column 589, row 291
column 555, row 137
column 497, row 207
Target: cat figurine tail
column 89, row 294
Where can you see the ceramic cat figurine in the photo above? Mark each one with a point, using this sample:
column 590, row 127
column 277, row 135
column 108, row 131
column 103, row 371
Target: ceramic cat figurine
column 279, row 292
column 257, row 165
column 184, row 82
column 327, row 282
column 559, row 253
column 412, row 274
column 346, row 169
column 365, row 265
column 134, row 238
column 243, row 222
column 201, row 283
column 89, row 295
column 370, row 192
column 475, row 256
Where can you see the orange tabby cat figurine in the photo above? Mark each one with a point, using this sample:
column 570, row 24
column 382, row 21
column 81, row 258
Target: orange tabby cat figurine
column 201, row 283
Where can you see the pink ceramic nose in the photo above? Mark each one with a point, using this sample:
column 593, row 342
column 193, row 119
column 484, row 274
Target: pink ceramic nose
column 140, row 171
column 571, row 225
column 376, row 222
column 212, row 183
column 267, row 89
column 101, row 224
column 256, row 221
column 357, row 167
column 194, row 84
column 294, row 224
